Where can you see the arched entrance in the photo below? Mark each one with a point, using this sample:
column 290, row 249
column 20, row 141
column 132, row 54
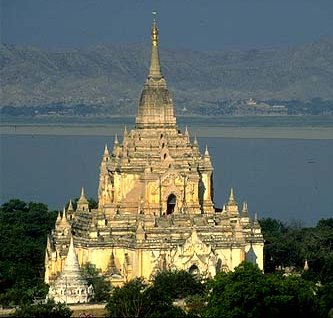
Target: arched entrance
column 194, row 270
column 171, row 203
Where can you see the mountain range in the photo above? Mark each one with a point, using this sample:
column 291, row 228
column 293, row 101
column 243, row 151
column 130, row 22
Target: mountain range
column 113, row 75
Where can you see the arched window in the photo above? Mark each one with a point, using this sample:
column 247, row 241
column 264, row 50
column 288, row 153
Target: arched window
column 171, row 203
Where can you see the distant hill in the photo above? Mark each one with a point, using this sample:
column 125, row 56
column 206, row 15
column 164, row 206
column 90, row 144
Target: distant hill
column 113, row 76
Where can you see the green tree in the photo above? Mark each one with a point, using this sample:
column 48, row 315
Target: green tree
column 140, row 299
column 95, row 278
column 130, row 300
column 50, row 309
column 177, row 284
column 247, row 292
column 23, row 230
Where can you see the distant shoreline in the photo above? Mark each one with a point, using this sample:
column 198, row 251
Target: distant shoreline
column 198, row 130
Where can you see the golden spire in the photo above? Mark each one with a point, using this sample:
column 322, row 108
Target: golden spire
column 154, row 32
column 155, row 69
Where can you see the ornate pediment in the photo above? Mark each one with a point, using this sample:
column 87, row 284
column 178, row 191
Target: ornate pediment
column 194, row 245
column 171, row 177
column 194, row 252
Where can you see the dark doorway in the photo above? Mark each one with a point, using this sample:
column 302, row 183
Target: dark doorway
column 171, row 203
column 194, row 270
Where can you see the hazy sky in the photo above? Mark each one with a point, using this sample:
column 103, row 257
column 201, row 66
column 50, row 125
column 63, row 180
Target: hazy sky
column 194, row 24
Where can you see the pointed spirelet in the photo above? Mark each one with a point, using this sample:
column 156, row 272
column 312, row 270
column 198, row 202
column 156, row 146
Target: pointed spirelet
column 195, row 142
column 70, row 206
column 231, row 197
column 245, row 209
column 256, row 217
column 71, row 263
column 82, row 196
column 64, row 224
column 125, row 131
column 82, row 199
column 186, row 131
column 116, row 142
column 106, row 151
column 64, row 217
column 58, row 218
column 206, row 152
column 155, row 68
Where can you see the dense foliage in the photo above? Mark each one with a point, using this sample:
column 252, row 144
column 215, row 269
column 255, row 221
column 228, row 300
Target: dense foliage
column 49, row 309
column 23, row 231
column 94, row 277
column 137, row 298
column 289, row 246
column 245, row 292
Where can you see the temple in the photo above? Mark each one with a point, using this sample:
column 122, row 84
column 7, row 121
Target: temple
column 155, row 203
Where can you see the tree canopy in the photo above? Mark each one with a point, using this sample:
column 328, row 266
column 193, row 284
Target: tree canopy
column 247, row 292
column 290, row 246
column 50, row 309
column 23, row 231
column 138, row 298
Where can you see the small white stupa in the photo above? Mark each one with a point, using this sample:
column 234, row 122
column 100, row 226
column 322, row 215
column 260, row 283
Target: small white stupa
column 70, row 287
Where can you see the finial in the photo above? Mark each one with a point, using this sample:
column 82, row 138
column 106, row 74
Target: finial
column 231, row 197
column 186, row 131
column 64, row 214
column 116, row 139
column 70, row 206
column 58, row 218
column 106, row 150
column 82, row 193
column 224, row 209
column 244, row 210
column 206, row 152
column 154, row 30
column 125, row 131
column 195, row 142
column 155, row 69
